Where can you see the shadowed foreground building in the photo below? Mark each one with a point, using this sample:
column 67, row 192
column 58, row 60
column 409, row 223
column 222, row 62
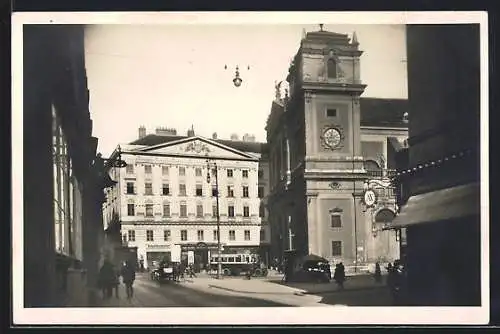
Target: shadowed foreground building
column 326, row 144
column 440, row 179
column 62, row 190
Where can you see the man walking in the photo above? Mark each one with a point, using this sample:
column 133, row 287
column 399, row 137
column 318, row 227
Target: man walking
column 128, row 274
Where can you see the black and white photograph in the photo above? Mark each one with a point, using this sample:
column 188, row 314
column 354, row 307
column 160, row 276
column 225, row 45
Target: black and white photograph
column 250, row 168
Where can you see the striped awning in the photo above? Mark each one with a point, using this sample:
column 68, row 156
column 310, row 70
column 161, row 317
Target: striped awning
column 444, row 204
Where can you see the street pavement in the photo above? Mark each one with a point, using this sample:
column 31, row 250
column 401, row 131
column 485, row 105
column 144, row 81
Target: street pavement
column 148, row 293
column 206, row 291
column 360, row 290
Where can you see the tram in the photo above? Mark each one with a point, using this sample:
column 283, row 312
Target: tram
column 236, row 264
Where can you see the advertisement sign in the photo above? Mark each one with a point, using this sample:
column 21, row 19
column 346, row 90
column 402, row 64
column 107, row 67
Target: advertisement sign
column 176, row 253
column 190, row 257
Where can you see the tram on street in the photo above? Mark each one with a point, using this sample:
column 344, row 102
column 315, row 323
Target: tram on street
column 236, row 264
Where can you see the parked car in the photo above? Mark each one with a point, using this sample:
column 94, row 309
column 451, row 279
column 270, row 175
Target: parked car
column 310, row 268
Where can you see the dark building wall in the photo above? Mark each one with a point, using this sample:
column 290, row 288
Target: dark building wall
column 444, row 98
column 53, row 74
column 443, row 257
column 39, row 244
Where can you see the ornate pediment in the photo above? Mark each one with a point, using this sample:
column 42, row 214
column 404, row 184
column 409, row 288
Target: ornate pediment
column 197, row 146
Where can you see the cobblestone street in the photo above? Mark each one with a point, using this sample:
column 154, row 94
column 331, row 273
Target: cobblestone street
column 205, row 291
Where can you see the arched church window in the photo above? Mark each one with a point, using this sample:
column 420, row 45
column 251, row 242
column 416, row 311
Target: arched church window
column 372, row 168
column 332, row 68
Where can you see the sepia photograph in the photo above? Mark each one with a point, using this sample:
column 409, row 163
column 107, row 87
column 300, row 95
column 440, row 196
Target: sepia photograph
column 207, row 168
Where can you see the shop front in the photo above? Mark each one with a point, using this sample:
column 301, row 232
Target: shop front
column 157, row 253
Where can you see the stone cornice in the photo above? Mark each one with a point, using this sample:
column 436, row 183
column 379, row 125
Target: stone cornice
column 335, row 174
column 333, row 87
column 340, row 51
column 188, row 156
column 190, row 223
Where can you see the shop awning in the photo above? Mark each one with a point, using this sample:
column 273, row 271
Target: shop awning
column 449, row 203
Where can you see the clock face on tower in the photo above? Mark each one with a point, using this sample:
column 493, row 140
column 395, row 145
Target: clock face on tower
column 332, row 137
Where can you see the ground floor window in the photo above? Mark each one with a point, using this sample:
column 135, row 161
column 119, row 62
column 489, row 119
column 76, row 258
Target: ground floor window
column 336, row 248
column 67, row 195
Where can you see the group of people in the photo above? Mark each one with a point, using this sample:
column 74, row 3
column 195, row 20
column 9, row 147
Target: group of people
column 109, row 279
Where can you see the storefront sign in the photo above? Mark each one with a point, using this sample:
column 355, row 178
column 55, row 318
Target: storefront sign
column 156, row 246
column 176, row 253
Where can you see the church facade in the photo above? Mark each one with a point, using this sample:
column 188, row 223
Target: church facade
column 329, row 149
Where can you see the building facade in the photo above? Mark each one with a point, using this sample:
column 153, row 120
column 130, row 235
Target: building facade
column 166, row 196
column 439, row 174
column 62, row 187
column 327, row 145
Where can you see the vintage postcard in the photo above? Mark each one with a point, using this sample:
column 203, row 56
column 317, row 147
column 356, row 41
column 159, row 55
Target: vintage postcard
column 250, row 168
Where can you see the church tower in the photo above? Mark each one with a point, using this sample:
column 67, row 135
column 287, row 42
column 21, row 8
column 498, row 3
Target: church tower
column 323, row 122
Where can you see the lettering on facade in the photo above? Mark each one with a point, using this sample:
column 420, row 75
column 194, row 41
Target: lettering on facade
column 162, row 246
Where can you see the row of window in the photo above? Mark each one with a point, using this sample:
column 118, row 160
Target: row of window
column 200, row 235
column 148, row 190
column 148, row 169
column 183, row 212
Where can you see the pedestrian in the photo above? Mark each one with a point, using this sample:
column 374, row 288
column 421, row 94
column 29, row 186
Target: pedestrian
column 339, row 275
column 175, row 271
column 390, row 275
column 378, row 273
column 191, row 271
column 106, row 279
column 182, row 269
column 117, row 283
column 128, row 274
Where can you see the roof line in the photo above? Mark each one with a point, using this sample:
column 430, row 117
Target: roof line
column 187, row 139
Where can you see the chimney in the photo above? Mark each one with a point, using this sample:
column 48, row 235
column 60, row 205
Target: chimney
column 249, row 138
column 234, row 137
column 214, row 135
column 142, row 132
column 164, row 131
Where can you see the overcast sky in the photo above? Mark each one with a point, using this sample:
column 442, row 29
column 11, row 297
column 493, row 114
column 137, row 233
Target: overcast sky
column 173, row 75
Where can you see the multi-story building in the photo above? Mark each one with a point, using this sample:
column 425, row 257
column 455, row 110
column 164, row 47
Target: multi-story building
column 165, row 197
column 327, row 145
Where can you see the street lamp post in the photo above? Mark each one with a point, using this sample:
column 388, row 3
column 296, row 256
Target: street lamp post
column 214, row 165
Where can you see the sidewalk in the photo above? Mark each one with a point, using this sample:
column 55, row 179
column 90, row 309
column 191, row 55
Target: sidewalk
column 276, row 286
column 353, row 283
column 254, row 288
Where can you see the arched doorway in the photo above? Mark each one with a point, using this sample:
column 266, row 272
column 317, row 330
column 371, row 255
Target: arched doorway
column 385, row 245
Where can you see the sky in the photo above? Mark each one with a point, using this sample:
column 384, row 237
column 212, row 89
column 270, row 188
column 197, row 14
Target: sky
column 174, row 76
